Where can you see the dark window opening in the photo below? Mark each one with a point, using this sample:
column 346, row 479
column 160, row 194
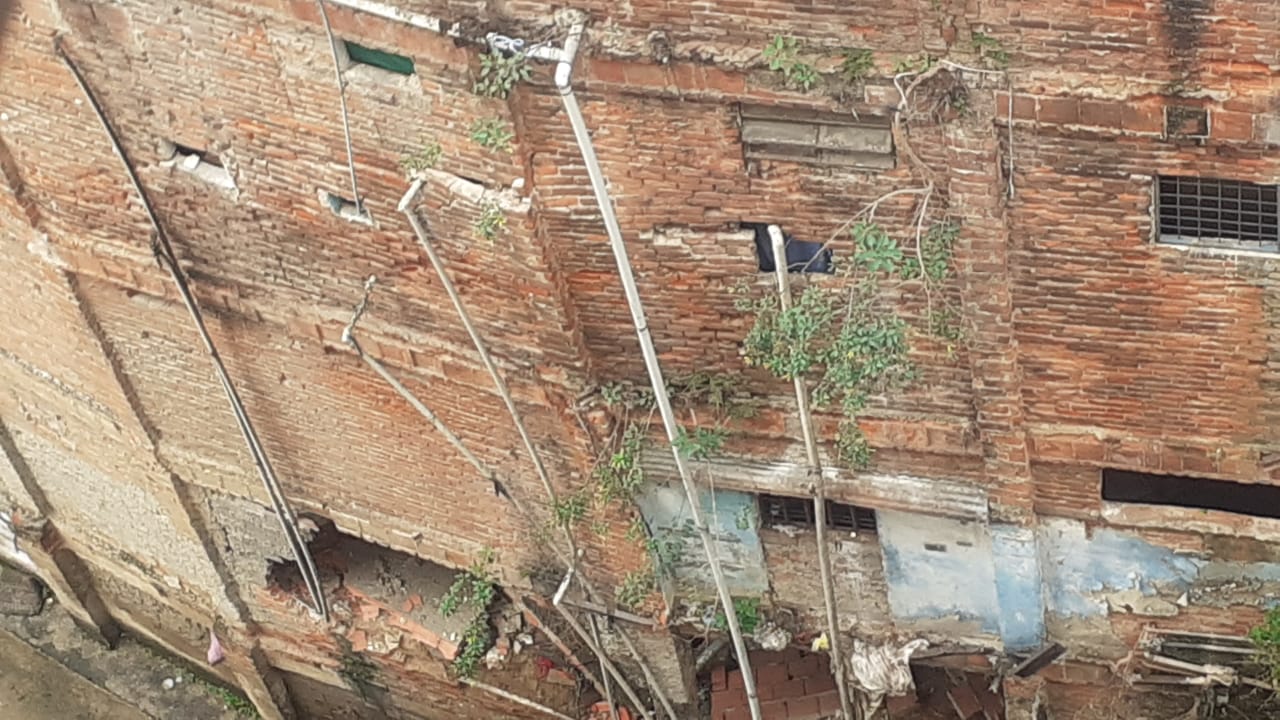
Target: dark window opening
column 1188, row 122
column 182, row 152
column 345, row 209
column 1212, row 211
column 780, row 510
column 391, row 62
column 1191, row 492
column 850, row 517
column 802, row 256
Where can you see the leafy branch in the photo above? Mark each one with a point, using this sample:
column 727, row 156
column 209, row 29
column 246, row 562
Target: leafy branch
column 492, row 134
column 500, row 73
column 476, row 588
column 851, row 341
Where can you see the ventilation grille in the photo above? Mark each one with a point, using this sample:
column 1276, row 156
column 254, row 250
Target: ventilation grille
column 1215, row 212
column 779, row 510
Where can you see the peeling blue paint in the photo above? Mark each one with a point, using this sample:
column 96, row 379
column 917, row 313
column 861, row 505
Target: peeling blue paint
column 1078, row 568
column 1018, row 586
column 666, row 510
column 939, row 569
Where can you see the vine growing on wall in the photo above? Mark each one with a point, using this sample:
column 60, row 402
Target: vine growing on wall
column 475, row 588
column 618, row 474
column 492, row 133
column 500, row 73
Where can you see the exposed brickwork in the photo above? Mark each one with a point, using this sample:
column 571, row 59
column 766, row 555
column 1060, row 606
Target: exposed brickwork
column 1088, row 345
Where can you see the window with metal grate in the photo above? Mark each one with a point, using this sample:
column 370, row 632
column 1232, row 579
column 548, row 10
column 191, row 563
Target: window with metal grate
column 850, row 517
column 779, row 510
column 1218, row 213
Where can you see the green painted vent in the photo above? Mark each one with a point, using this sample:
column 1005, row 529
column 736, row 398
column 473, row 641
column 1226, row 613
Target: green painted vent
column 398, row 64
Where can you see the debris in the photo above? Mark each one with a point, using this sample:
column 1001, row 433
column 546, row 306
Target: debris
column 1039, row 660
column 772, row 637
column 820, row 643
column 215, row 654
column 20, row 594
column 167, row 683
column 883, row 670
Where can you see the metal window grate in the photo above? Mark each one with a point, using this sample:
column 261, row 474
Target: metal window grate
column 778, row 510
column 1216, row 212
column 850, row 517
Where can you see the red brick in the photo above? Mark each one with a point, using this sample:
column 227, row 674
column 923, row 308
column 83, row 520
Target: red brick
column 1231, row 126
column 1144, row 116
column 773, row 710
column 815, row 684
column 1058, row 110
column 829, row 702
column 771, row 674
column 1102, row 113
column 803, row 709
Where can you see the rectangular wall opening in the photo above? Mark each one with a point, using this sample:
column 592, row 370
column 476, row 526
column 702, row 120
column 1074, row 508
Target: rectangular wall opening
column 802, row 256
column 798, row 511
column 203, row 164
column 1126, row 486
column 1217, row 213
column 381, row 59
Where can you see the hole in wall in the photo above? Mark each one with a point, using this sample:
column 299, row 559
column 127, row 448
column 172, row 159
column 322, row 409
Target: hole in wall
column 802, row 256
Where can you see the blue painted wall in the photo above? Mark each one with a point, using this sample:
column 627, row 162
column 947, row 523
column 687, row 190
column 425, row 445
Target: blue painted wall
column 666, row 510
column 1018, row 586
column 1078, row 569
column 939, row 569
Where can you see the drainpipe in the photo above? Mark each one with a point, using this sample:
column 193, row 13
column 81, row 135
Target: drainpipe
column 817, row 478
column 437, row 263
column 563, row 79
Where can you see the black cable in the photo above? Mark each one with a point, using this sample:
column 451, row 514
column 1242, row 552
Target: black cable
column 166, row 258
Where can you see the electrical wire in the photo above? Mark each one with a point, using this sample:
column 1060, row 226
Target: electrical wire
column 163, row 251
column 342, row 98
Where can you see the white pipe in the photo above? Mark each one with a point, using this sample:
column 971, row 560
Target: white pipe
column 424, row 239
column 781, row 269
column 563, row 77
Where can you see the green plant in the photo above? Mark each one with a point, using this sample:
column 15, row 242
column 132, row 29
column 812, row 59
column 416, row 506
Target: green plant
column 621, row 476
column 569, row 510
column 990, row 49
column 782, row 54
column 1266, row 638
column 637, row 530
column 499, row 73
column 857, row 65
column 426, row 157
column 491, row 223
column 357, row 671
column 635, row 587
column 851, row 341
column 913, row 64
column 667, row 551
column 476, row 587
column 230, row 699
column 492, row 134
column 701, row 443
column 748, row 612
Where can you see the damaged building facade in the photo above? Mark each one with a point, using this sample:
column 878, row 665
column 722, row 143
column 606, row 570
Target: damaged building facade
column 1069, row 211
